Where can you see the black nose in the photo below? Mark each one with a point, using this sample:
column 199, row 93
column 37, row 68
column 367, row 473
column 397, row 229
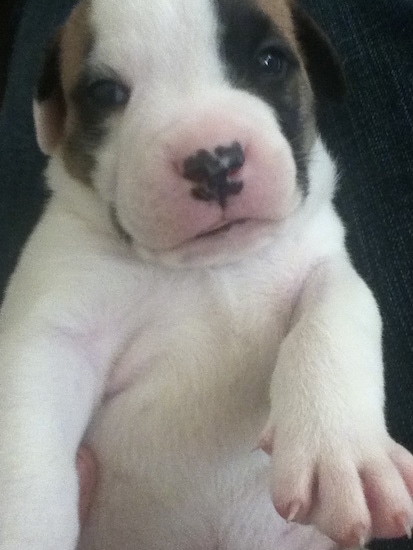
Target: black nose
column 212, row 173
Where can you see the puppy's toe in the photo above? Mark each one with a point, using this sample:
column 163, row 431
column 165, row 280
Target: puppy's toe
column 388, row 498
column 340, row 509
column 293, row 479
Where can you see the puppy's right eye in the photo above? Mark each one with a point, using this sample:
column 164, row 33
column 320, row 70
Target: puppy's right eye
column 108, row 93
column 272, row 62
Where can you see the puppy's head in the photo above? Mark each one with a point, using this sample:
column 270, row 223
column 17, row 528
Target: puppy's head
column 192, row 120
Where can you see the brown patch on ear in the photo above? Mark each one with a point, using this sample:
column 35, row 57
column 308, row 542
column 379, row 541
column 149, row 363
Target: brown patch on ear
column 49, row 103
column 76, row 41
column 61, row 69
column 321, row 59
column 280, row 12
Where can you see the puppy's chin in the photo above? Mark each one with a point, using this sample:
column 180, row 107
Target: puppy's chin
column 227, row 239
column 224, row 245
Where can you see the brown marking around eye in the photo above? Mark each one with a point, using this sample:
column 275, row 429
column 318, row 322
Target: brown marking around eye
column 280, row 11
column 76, row 43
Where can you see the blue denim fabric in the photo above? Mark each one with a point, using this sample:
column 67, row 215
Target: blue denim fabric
column 371, row 135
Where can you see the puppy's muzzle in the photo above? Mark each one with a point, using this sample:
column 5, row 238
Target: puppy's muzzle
column 212, row 173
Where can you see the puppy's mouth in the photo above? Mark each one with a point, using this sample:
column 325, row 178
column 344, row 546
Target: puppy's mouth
column 221, row 229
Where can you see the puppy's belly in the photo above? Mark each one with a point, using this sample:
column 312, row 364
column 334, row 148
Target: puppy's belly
column 163, row 441
column 178, row 469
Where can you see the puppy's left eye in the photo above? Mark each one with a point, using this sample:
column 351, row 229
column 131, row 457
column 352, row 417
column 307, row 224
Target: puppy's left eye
column 108, row 93
column 272, row 62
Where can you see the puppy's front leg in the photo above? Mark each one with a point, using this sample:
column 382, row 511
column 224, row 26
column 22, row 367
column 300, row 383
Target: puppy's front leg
column 50, row 382
column 333, row 463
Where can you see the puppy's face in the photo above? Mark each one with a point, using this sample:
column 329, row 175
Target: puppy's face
column 191, row 119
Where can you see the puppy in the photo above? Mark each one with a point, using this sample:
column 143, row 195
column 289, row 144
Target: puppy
column 187, row 297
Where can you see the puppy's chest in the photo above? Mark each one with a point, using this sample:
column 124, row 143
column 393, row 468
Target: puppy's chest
column 210, row 332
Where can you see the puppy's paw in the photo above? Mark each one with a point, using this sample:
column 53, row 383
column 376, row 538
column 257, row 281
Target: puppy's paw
column 351, row 492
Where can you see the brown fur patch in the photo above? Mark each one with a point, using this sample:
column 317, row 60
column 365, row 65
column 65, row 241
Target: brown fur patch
column 76, row 41
column 280, row 11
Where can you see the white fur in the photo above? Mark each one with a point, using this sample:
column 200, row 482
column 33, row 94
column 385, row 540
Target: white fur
column 168, row 371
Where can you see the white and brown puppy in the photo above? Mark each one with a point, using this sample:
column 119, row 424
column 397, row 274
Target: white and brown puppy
column 187, row 290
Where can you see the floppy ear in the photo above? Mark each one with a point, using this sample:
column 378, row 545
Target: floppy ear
column 49, row 104
column 321, row 59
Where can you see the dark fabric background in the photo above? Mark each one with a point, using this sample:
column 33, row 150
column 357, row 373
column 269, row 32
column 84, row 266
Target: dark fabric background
column 371, row 135
column 21, row 193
